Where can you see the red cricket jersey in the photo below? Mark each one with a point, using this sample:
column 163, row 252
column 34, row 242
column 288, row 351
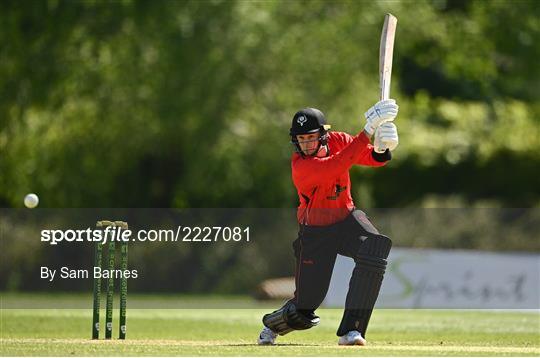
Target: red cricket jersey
column 324, row 185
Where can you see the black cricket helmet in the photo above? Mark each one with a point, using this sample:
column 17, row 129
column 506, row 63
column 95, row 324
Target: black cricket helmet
column 306, row 121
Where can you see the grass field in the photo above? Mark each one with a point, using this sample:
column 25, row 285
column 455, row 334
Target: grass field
column 233, row 332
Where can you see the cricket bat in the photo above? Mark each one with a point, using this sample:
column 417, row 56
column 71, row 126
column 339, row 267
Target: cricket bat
column 385, row 54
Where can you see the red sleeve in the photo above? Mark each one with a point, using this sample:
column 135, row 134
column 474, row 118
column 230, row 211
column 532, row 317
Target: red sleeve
column 312, row 171
column 365, row 158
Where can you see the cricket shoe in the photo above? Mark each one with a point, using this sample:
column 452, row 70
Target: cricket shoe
column 267, row 337
column 352, row 338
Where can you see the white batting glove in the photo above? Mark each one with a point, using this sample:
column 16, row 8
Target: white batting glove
column 382, row 111
column 386, row 137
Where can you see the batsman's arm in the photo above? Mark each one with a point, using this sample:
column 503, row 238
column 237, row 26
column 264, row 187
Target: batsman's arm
column 314, row 170
column 368, row 156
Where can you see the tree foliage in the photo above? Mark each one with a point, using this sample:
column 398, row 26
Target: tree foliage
column 188, row 103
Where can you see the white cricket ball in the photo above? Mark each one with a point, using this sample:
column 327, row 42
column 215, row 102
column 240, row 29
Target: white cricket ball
column 31, row 201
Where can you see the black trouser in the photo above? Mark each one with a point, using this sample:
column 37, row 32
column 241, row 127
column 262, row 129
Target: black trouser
column 316, row 249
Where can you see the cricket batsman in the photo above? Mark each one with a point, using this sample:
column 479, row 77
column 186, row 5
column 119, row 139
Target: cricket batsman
column 329, row 223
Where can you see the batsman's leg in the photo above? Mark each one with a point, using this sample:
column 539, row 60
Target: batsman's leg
column 370, row 251
column 315, row 253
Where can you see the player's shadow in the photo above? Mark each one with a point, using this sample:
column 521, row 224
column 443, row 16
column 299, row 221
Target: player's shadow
column 275, row 345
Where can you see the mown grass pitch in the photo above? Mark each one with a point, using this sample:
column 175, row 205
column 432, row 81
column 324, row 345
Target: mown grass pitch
column 233, row 332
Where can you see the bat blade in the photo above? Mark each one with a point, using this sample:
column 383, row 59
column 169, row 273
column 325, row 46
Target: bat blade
column 385, row 55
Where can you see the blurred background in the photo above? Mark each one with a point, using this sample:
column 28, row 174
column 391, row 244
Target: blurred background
column 187, row 104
